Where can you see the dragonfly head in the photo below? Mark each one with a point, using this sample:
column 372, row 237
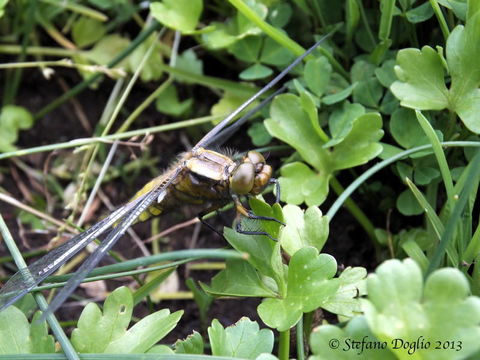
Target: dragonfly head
column 251, row 176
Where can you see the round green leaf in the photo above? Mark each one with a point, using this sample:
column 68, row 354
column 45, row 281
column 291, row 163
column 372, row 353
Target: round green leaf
column 181, row 15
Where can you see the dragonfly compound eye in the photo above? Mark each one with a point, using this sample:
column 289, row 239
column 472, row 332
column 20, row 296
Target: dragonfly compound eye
column 255, row 158
column 241, row 182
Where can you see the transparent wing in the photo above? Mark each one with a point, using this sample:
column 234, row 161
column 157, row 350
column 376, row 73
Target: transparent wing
column 27, row 278
column 115, row 234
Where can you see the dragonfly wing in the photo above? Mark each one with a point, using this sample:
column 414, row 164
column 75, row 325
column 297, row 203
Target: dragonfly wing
column 27, row 278
column 115, row 234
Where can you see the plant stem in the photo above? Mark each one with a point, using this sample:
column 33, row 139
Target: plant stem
column 284, row 345
column 441, row 19
column 60, row 335
column 299, row 335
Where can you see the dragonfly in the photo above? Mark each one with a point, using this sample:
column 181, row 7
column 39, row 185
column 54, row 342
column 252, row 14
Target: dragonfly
column 200, row 177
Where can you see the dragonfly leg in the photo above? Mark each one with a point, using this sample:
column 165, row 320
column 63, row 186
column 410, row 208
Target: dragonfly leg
column 207, row 224
column 239, row 229
column 277, row 189
column 251, row 215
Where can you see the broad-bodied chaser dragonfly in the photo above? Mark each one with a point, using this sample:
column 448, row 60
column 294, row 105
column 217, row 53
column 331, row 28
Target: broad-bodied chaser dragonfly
column 201, row 176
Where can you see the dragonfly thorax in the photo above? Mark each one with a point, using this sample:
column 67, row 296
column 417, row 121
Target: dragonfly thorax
column 251, row 176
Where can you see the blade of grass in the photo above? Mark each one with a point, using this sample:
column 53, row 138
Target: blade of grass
column 439, row 154
column 110, row 138
column 447, row 236
column 57, row 330
column 377, row 167
column 429, row 211
column 416, row 253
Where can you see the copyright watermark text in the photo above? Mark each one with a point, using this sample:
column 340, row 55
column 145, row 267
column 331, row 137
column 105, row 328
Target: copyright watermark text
column 412, row 346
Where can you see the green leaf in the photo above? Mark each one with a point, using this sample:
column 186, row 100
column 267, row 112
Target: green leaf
column 181, row 15
column 106, row 332
column 12, row 119
column 14, row 332
column 334, row 342
column 303, row 228
column 258, row 134
column 238, row 279
column 87, row 31
column 193, row 344
column 3, row 4
column 406, row 130
column 264, row 253
column 275, row 54
column 255, row 72
column 107, row 49
column 400, row 306
column 420, row 13
column 242, row 340
column 459, row 7
column 368, row 92
column 188, row 61
column 279, row 14
column 228, row 103
column 168, row 102
column 361, row 144
column 341, row 122
column 346, row 301
column 337, row 96
column 317, row 75
column 300, row 184
column 421, row 79
column 247, row 49
column 40, row 340
column 96, row 329
column 151, row 70
column 309, row 286
column 145, row 333
column 386, row 73
column 408, row 205
column 286, row 114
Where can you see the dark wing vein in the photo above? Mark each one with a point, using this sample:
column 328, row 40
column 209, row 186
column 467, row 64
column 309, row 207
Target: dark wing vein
column 115, row 234
column 27, row 278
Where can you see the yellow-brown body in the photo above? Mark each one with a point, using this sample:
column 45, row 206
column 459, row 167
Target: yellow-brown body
column 208, row 179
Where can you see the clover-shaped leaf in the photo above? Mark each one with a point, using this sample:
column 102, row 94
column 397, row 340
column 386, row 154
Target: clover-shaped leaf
column 317, row 75
column 300, row 184
column 87, row 31
column 169, row 103
column 341, row 121
column 264, row 253
column 290, row 122
column 17, row 336
column 309, row 285
column 192, row 344
column 346, row 301
column 12, row 119
column 181, row 15
column 361, row 144
column 96, row 329
column 400, row 306
column 238, row 279
column 244, row 339
column 303, row 228
column 421, row 75
column 333, row 342
column 99, row 332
